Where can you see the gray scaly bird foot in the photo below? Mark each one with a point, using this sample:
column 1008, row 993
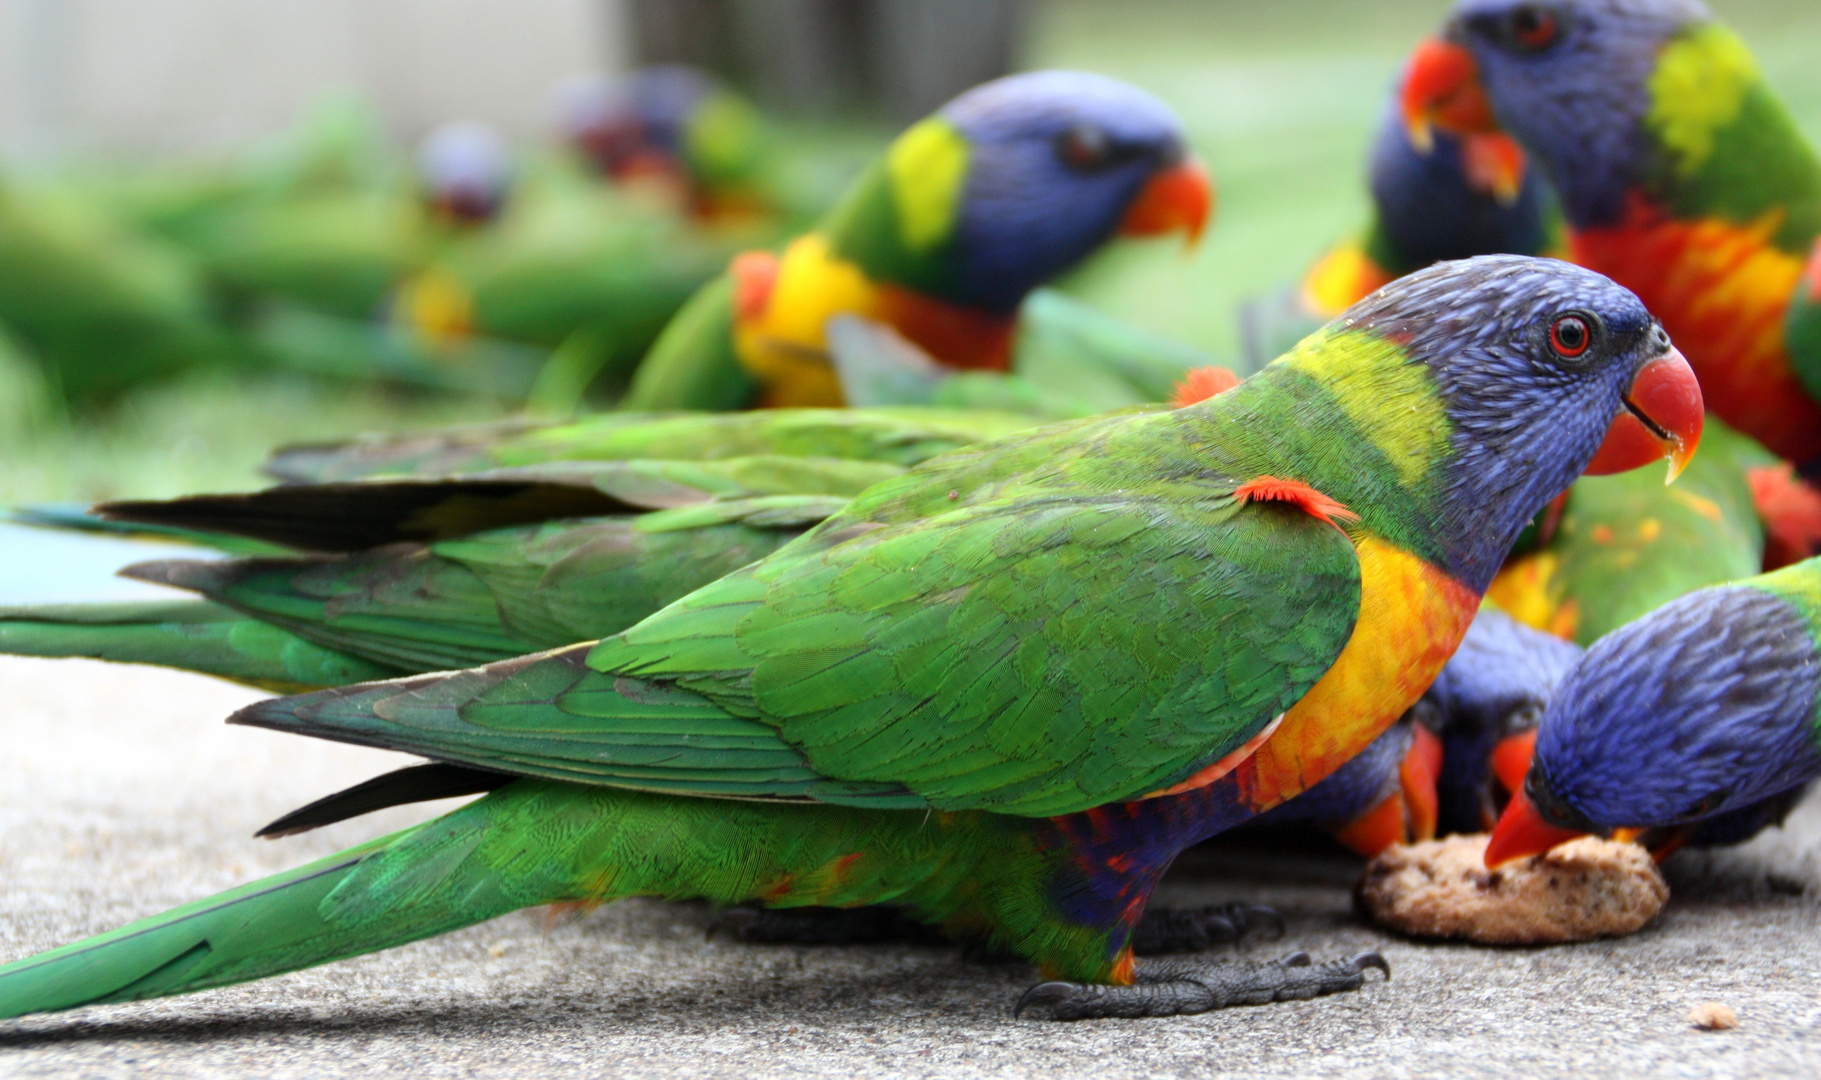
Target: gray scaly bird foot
column 1170, row 930
column 1177, row 986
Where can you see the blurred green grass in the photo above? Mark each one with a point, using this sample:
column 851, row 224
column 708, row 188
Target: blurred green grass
column 1279, row 96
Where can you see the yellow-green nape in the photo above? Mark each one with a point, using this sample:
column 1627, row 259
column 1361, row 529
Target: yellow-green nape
column 1699, row 87
column 928, row 167
column 1799, row 583
column 1389, row 399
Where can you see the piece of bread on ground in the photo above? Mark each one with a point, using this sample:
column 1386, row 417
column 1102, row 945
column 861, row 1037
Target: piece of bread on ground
column 1585, row 889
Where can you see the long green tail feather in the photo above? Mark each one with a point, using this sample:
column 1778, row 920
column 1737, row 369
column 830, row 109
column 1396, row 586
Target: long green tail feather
column 194, row 635
column 264, row 928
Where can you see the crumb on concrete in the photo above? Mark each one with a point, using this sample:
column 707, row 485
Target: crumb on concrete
column 1713, row 1016
column 1585, row 889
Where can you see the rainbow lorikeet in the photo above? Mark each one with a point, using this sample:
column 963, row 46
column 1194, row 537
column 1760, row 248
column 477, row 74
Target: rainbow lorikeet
column 1624, row 545
column 1005, row 689
column 1679, row 173
column 1702, row 709
column 433, row 574
column 674, row 126
column 1001, row 190
column 1451, row 197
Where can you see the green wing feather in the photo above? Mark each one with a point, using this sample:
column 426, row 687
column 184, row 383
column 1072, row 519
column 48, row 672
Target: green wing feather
column 1627, row 544
column 500, row 593
column 901, row 436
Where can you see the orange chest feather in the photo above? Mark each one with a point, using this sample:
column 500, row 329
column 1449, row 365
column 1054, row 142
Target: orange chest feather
column 1722, row 291
column 784, row 305
column 1412, row 617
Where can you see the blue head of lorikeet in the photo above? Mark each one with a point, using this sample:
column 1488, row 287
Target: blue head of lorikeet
column 1056, row 163
column 1680, row 175
column 1461, row 195
column 1569, row 80
column 465, row 171
column 1703, row 707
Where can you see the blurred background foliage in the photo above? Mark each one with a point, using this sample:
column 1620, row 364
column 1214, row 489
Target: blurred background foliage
column 1280, row 97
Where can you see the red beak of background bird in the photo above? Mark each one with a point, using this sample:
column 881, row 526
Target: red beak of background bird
column 1522, row 832
column 1180, row 198
column 1661, row 418
column 1442, row 89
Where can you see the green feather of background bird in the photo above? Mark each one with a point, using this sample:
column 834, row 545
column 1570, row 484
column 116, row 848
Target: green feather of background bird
column 1627, row 544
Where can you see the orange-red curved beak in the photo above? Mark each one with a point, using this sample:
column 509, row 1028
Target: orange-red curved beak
column 1522, row 832
column 1661, row 418
column 1178, row 199
column 1442, row 89
column 1409, row 814
column 1494, row 165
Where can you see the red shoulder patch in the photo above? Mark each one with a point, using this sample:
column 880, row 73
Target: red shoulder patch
column 754, row 274
column 1296, row 493
column 1202, row 383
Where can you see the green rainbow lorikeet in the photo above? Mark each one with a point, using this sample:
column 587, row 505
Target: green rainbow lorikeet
column 941, row 240
column 674, row 126
column 431, row 574
column 1006, row 688
column 1702, row 711
column 1679, row 173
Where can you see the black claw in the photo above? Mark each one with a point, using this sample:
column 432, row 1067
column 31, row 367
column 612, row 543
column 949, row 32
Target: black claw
column 1296, row 959
column 1265, row 914
column 1049, row 993
column 1371, row 959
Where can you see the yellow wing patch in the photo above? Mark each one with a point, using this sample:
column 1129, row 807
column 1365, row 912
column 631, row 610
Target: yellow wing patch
column 927, row 165
column 1698, row 87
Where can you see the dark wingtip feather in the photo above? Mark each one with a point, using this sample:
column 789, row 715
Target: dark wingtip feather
column 415, row 783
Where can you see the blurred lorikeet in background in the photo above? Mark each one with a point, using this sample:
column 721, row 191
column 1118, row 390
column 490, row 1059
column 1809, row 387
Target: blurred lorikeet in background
column 1705, row 709
column 1679, row 173
column 938, row 243
column 1005, row 689
column 1454, row 197
column 676, row 127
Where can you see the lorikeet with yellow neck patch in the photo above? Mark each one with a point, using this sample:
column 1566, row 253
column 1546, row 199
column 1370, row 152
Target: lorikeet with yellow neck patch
column 1008, row 186
column 1005, row 689
column 1679, row 172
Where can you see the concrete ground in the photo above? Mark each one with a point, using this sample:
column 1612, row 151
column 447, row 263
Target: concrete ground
column 121, row 795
